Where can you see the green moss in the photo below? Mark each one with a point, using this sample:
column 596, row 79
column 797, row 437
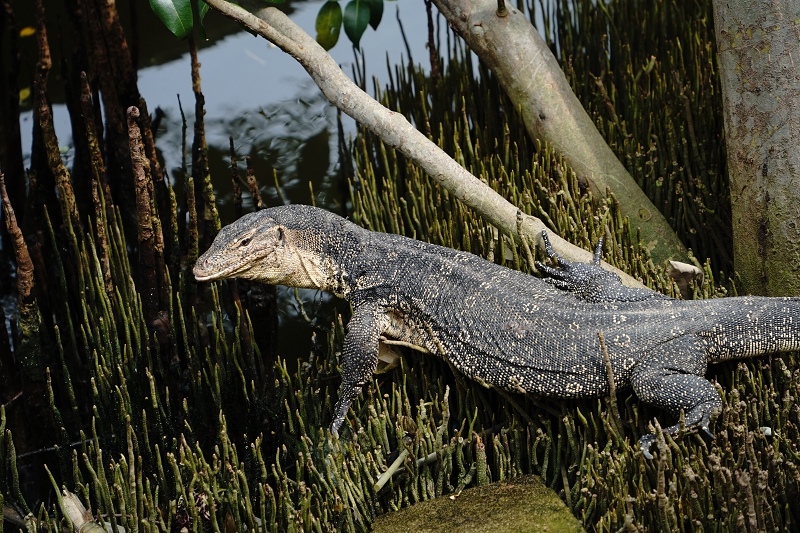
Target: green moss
column 523, row 504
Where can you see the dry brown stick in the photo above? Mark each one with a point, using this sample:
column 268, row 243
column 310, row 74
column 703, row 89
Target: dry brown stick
column 44, row 119
column 146, row 235
column 235, row 182
column 252, row 185
column 25, row 280
column 612, row 387
column 28, row 343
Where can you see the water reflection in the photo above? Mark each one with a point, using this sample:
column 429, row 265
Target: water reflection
column 291, row 144
column 241, row 74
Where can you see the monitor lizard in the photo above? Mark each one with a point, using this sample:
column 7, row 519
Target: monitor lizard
column 498, row 326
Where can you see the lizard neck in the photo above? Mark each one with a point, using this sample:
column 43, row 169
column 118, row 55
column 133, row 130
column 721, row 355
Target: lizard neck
column 340, row 257
column 322, row 251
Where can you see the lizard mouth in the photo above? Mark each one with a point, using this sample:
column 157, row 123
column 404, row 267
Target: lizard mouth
column 204, row 272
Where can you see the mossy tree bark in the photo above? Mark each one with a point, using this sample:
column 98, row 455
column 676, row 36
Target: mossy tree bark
column 531, row 76
column 759, row 60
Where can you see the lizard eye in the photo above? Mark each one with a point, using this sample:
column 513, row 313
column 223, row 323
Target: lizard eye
column 280, row 234
column 244, row 242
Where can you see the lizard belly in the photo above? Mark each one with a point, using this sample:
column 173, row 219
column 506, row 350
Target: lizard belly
column 528, row 353
column 401, row 330
column 573, row 374
column 517, row 348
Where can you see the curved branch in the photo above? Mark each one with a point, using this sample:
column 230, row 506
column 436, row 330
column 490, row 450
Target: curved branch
column 395, row 130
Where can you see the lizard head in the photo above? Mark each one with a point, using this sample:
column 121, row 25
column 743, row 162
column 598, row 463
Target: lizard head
column 279, row 246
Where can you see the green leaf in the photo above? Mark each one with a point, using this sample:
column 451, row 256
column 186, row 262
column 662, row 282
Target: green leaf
column 356, row 19
column 202, row 9
column 175, row 14
column 329, row 24
column 375, row 13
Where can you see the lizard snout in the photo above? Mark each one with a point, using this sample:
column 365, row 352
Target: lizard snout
column 203, row 268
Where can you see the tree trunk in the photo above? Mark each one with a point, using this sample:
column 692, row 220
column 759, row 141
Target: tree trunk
column 535, row 83
column 759, row 60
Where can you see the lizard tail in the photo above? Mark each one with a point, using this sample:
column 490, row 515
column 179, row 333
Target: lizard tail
column 753, row 326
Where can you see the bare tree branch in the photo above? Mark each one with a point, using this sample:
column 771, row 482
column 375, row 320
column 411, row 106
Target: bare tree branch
column 394, row 129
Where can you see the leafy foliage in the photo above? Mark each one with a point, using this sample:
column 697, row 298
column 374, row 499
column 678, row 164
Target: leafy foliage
column 177, row 15
column 358, row 14
column 329, row 24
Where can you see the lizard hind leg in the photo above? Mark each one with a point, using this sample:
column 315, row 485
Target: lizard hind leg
column 676, row 391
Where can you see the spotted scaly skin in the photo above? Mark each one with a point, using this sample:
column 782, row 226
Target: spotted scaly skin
column 498, row 326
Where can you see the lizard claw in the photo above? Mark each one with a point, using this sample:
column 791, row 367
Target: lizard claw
column 589, row 281
column 563, row 265
column 563, row 276
column 645, row 443
column 551, row 253
column 554, row 275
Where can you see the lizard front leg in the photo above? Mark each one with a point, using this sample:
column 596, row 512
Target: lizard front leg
column 359, row 357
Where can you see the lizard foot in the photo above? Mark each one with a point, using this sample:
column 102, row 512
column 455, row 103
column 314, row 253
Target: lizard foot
column 587, row 281
column 647, row 441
